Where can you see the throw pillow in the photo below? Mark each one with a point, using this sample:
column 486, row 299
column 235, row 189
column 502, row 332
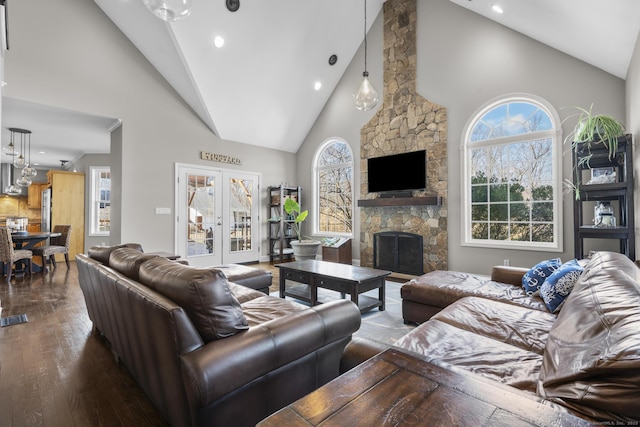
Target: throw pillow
column 534, row 278
column 558, row 286
column 203, row 293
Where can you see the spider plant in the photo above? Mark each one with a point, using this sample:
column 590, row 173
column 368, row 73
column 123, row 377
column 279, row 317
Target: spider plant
column 593, row 129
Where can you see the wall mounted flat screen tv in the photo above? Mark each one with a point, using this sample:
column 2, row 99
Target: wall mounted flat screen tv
column 398, row 172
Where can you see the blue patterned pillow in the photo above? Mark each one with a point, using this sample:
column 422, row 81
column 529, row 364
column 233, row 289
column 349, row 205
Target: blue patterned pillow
column 533, row 279
column 558, row 286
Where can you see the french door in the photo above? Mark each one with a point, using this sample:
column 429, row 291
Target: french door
column 217, row 215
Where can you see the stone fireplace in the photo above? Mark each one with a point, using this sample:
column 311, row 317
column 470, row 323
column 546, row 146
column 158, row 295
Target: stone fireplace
column 405, row 122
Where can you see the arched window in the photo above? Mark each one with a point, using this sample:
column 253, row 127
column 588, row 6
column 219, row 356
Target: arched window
column 512, row 175
column 333, row 181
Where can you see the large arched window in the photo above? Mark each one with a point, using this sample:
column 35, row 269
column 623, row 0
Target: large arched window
column 512, row 175
column 333, row 181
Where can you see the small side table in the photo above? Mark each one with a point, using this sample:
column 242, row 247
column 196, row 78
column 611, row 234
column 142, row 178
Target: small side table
column 339, row 252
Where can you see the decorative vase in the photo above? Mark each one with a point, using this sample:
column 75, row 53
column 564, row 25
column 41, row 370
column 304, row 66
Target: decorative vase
column 305, row 249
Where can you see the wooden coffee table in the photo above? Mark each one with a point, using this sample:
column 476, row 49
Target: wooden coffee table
column 346, row 279
column 395, row 388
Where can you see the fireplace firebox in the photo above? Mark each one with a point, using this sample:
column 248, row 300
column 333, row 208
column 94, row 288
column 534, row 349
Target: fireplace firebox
column 398, row 251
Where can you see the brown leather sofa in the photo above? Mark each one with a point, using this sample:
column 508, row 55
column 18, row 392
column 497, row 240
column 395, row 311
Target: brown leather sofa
column 205, row 350
column 585, row 359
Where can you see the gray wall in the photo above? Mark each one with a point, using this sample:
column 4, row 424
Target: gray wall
column 68, row 54
column 633, row 121
column 465, row 60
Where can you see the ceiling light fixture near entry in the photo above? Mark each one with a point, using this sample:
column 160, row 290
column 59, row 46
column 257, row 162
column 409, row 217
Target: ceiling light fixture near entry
column 497, row 9
column 218, row 41
column 169, row 10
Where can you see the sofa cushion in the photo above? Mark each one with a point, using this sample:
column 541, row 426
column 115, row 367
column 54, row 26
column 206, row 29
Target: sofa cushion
column 558, row 286
column 102, row 253
column 442, row 288
column 446, row 345
column 204, row 293
column 127, row 261
column 535, row 277
column 266, row 308
column 591, row 362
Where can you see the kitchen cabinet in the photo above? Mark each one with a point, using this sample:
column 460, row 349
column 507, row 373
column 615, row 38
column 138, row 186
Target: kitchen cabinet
column 34, row 198
column 67, row 205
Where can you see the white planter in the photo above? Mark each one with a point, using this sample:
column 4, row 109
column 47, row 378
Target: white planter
column 305, row 249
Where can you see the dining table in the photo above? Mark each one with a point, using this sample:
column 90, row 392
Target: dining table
column 28, row 240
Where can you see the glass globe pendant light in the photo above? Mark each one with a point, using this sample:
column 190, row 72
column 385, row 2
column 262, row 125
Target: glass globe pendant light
column 12, row 189
column 23, row 181
column 11, row 149
column 169, row 10
column 28, row 171
column 20, row 161
column 366, row 97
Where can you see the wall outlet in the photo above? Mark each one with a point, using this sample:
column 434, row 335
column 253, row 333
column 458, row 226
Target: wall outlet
column 506, row 262
column 163, row 211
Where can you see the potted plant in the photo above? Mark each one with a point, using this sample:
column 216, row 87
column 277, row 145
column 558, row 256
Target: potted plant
column 593, row 129
column 302, row 249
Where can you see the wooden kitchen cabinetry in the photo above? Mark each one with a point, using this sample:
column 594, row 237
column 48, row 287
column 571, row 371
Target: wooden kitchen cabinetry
column 67, row 206
column 34, row 198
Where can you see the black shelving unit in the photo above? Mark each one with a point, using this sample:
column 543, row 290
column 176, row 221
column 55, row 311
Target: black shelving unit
column 281, row 230
column 619, row 193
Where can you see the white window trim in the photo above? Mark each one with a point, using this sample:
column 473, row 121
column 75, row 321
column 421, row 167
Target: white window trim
column 556, row 135
column 316, row 193
column 95, row 188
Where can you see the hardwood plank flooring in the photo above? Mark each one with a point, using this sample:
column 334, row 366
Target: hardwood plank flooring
column 54, row 371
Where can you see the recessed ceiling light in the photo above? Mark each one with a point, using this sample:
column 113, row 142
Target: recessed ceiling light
column 42, row 152
column 497, row 9
column 317, row 85
column 218, row 41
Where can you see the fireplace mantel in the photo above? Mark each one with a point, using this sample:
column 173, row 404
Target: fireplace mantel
column 400, row 201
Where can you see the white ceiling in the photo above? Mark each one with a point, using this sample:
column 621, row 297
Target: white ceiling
column 56, row 134
column 602, row 33
column 258, row 88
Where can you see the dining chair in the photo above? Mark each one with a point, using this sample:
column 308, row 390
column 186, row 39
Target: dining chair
column 57, row 245
column 9, row 255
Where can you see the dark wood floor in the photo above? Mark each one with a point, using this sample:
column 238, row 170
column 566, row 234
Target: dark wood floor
column 53, row 370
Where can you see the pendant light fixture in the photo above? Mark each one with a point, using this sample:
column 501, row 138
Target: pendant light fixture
column 12, row 189
column 366, row 97
column 20, row 161
column 11, row 148
column 169, row 10
column 29, row 171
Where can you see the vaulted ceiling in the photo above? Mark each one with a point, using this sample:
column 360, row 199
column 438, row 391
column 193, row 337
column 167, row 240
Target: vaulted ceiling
column 259, row 87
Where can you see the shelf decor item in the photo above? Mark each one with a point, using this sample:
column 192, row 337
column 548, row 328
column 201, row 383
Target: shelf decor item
column 603, row 215
column 602, row 176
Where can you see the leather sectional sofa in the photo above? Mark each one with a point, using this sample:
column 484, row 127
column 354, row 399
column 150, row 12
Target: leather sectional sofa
column 584, row 359
column 205, row 350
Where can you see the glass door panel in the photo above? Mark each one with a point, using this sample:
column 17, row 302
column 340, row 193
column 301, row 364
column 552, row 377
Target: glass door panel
column 200, row 216
column 240, row 193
